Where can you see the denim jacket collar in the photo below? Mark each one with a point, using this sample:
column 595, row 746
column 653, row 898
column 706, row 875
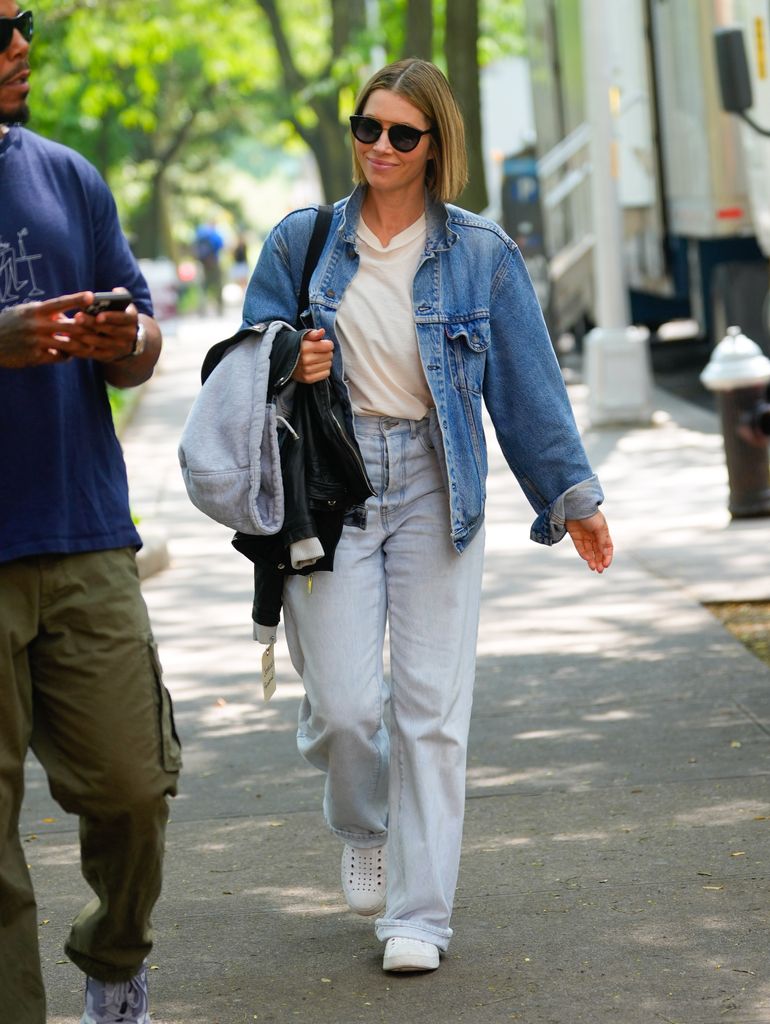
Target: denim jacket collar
column 439, row 237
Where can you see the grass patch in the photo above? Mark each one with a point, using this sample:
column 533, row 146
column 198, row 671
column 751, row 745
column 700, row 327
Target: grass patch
column 749, row 621
column 123, row 402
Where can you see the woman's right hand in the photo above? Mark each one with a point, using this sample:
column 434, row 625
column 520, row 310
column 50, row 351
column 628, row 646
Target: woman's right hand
column 315, row 358
column 592, row 540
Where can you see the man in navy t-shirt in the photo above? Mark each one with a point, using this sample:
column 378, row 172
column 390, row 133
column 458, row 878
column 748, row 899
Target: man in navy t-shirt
column 80, row 680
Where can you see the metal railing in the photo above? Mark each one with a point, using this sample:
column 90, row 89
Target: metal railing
column 564, row 174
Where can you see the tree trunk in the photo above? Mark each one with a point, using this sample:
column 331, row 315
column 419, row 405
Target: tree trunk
column 461, row 49
column 102, row 152
column 327, row 142
column 326, row 139
column 150, row 233
column 348, row 19
column 418, row 41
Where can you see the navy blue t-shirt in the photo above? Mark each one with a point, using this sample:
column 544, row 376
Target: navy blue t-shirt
column 63, row 485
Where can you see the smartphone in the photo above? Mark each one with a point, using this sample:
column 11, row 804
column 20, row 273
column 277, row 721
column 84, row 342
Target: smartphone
column 109, row 302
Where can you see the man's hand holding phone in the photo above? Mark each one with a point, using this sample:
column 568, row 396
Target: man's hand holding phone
column 109, row 328
column 108, row 302
column 85, row 325
column 39, row 333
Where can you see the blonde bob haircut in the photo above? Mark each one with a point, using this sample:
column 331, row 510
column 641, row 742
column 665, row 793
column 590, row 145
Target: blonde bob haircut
column 425, row 87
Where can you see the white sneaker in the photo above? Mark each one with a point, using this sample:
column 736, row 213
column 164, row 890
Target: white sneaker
column 409, row 955
column 363, row 879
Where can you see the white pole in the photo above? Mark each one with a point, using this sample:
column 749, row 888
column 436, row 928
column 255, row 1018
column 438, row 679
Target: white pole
column 617, row 362
column 612, row 305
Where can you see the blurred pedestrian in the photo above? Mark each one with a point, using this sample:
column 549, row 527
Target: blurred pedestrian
column 80, row 681
column 208, row 248
column 421, row 311
column 241, row 269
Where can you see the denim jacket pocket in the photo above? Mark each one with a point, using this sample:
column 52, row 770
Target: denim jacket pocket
column 467, row 344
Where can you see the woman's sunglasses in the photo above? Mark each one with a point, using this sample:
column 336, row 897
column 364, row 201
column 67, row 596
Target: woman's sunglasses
column 23, row 22
column 402, row 137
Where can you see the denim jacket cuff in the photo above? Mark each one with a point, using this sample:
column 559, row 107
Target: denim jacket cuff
column 577, row 502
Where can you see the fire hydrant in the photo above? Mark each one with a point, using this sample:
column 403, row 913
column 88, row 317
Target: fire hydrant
column 739, row 374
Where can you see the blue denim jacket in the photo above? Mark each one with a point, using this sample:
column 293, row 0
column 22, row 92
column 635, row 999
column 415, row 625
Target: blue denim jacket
column 481, row 337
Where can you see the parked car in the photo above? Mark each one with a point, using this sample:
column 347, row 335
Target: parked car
column 163, row 280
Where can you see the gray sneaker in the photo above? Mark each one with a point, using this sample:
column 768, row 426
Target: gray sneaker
column 121, row 1002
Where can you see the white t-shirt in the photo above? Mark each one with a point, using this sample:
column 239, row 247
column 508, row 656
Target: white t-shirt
column 376, row 331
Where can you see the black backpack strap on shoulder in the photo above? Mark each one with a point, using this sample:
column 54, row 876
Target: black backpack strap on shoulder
column 321, row 227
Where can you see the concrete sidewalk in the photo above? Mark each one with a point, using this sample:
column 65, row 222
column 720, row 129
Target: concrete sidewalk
column 615, row 863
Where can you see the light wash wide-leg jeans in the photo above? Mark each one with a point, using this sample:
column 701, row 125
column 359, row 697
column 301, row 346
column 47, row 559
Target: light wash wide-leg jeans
column 405, row 784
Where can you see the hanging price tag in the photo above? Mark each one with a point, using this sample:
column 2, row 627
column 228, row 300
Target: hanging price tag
column 268, row 672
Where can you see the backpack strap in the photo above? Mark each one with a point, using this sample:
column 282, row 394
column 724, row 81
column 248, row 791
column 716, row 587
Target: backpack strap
column 321, row 227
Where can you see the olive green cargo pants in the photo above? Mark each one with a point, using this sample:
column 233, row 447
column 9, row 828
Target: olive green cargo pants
column 81, row 684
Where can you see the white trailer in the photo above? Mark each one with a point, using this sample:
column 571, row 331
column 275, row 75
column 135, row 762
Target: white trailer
column 693, row 181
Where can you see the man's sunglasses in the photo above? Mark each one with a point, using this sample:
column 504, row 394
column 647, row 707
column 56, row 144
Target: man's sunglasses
column 402, row 137
column 23, row 22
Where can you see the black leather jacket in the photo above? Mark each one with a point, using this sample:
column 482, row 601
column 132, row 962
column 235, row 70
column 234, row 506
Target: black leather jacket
column 323, row 474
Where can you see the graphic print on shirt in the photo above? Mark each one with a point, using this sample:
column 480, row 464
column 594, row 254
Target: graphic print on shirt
column 17, row 272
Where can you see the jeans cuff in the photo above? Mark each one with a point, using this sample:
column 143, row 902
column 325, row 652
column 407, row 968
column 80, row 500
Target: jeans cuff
column 361, row 840
column 392, row 928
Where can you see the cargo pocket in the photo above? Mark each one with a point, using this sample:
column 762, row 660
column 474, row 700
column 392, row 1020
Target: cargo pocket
column 170, row 747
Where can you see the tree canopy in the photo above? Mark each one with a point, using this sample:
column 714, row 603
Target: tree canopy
column 158, row 92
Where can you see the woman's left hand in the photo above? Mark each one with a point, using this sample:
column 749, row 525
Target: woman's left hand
column 592, row 540
column 315, row 357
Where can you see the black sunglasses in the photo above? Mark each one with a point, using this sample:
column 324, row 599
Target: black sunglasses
column 23, row 22
column 402, row 137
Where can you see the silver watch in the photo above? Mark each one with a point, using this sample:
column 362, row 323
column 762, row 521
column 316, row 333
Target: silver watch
column 140, row 342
